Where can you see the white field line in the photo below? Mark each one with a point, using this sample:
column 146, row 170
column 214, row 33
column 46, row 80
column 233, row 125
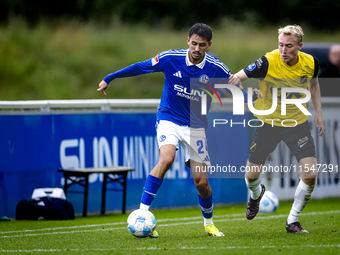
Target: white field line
column 322, row 246
column 117, row 223
column 216, row 217
column 25, row 234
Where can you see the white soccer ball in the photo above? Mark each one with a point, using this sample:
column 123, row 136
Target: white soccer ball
column 141, row 223
column 269, row 202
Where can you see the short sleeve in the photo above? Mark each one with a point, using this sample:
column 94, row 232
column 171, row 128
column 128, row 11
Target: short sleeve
column 258, row 69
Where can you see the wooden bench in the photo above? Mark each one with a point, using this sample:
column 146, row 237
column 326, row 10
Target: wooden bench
column 83, row 180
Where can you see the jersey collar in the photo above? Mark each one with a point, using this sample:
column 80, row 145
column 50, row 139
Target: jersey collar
column 200, row 65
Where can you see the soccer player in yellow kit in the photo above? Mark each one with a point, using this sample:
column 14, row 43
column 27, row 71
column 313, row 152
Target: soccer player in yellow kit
column 284, row 67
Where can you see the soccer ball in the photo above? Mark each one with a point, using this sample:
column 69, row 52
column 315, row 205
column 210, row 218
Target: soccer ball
column 141, row 223
column 269, row 202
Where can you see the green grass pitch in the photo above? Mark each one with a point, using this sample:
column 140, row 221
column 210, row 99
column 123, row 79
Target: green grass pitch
column 181, row 232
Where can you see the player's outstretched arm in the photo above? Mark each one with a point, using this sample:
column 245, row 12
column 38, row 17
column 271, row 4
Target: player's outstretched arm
column 138, row 68
column 241, row 75
column 102, row 87
column 234, row 80
column 314, row 89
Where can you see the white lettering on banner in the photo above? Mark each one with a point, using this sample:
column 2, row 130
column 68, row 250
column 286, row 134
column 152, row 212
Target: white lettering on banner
column 115, row 151
column 144, row 153
column 72, row 161
column 95, row 152
column 138, row 152
column 128, row 154
column 140, row 157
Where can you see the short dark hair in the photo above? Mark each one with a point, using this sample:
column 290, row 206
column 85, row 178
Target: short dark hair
column 202, row 30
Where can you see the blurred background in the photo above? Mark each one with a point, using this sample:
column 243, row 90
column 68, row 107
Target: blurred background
column 62, row 49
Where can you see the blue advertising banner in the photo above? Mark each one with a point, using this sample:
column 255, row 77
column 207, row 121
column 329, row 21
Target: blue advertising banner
column 33, row 147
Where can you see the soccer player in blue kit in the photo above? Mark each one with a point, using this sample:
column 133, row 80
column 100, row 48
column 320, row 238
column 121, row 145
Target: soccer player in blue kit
column 176, row 121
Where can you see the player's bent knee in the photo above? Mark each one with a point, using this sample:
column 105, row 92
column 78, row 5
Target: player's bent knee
column 167, row 160
column 310, row 175
column 309, row 181
column 252, row 179
column 202, row 185
column 307, row 162
column 253, row 171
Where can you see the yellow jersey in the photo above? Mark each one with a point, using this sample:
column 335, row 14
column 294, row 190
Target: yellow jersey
column 273, row 72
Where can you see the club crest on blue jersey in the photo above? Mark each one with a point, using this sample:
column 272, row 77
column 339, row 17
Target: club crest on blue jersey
column 251, row 67
column 204, row 78
column 162, row 138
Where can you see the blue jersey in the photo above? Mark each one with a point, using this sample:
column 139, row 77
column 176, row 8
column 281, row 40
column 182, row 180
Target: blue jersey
column 184, row 84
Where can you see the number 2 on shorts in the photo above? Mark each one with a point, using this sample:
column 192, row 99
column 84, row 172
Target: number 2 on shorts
column 200, row 145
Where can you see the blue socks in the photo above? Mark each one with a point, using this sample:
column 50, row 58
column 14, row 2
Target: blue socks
column 151, row 187
column 206, row 205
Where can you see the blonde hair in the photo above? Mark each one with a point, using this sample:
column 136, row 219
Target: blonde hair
column 294, row 30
